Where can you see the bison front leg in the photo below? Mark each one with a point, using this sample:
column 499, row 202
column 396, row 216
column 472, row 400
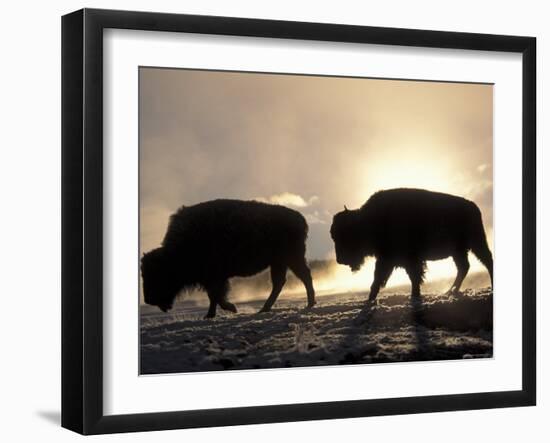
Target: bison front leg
column 382, row 272
column 212, row 308
column 221, row 297
column 278, row 280
column 217, row 293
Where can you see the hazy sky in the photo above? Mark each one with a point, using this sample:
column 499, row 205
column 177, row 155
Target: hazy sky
column 311, row 143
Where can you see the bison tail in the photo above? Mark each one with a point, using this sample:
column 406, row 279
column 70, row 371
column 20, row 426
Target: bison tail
column 479, row 245
column 305, row 229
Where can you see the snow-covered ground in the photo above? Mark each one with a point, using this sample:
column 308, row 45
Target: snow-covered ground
column 341, row 329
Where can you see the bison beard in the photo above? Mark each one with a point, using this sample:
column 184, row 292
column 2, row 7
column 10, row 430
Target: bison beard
column 208, row 243
column 407, row 227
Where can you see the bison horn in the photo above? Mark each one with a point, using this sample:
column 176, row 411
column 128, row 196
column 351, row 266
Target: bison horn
column 345, row 208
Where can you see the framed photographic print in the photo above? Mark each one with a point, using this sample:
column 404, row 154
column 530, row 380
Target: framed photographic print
column 268, row 221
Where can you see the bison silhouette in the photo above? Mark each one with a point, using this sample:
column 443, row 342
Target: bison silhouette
column 407, row 227
column 208, row 243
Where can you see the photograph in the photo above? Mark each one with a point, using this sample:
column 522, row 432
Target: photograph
column 290, row 220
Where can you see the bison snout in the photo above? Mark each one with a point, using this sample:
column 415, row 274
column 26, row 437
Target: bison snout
column 340, row 259
column 354, row 263
column 343, row 260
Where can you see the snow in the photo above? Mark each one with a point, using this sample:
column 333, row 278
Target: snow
column 341, row 329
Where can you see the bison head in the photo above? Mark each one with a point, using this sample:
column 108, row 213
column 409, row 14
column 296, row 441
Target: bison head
column 160, row 286
column 345, row 234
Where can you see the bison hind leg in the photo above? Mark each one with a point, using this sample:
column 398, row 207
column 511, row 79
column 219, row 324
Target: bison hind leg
column 462, row 267
column 415, row 271
column 278, row 280
column 301, row 270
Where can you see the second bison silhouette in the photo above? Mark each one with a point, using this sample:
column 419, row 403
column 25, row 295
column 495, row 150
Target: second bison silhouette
column 407, row 227
column 208, row 243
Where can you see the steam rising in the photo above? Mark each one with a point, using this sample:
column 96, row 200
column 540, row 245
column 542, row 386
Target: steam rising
column 289, row 199
column 330, row 278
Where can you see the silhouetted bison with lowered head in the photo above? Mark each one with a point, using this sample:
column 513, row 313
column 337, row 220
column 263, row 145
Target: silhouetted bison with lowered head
column 407, row 227
column 210, row 242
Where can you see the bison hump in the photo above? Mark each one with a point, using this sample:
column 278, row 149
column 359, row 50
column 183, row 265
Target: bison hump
column 226, row 219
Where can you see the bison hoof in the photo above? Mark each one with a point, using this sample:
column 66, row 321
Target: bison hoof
column 310, row 305
column 264, row 309
column 229, row 307
column 209, row 316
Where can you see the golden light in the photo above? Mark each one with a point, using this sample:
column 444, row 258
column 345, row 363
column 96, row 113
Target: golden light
column 409, row 166
column 402, row 165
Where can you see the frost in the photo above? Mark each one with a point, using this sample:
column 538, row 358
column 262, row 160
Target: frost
column 341, row 329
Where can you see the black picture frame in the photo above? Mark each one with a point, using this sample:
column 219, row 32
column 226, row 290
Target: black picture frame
column 82, row 219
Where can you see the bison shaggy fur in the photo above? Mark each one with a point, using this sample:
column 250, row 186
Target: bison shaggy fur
column 208, row 243
column 407, row 227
